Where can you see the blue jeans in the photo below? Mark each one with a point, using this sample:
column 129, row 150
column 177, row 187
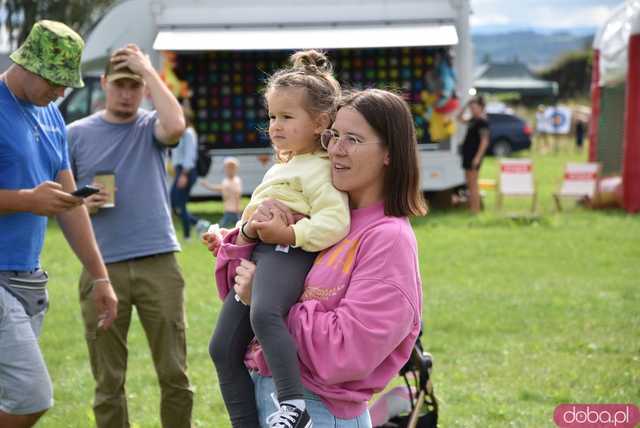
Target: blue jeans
column 229, row 219
column 320, row 415
column 180, row 197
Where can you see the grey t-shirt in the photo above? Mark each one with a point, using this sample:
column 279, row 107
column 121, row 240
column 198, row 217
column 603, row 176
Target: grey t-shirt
column 140, row 223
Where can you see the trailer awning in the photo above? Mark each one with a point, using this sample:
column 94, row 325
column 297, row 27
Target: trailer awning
column 289, row 38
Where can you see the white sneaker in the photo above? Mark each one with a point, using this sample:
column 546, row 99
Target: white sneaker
column 202, row 226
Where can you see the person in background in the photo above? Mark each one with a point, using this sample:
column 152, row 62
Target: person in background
column 474, row 147
column 35, row 182
column 581, row 129
column 358, row 318
column 231, row 189
column 184, row 157
column 136, row 236
column 542, row 132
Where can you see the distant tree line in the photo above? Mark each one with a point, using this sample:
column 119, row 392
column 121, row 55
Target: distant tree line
column 20, row 15
column 573, row 74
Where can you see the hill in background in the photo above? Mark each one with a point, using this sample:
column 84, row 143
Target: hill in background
column 538, row 49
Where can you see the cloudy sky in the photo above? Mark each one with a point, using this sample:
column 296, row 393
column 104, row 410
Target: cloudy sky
column 492, row 15
column 543, row 14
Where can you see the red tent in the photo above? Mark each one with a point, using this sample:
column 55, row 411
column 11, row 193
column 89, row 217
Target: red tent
column 615, row 96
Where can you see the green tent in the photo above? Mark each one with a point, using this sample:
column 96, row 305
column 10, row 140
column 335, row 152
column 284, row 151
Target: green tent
column 495, row 78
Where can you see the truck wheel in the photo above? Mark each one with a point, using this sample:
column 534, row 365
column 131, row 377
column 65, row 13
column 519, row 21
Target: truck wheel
column 502, row 148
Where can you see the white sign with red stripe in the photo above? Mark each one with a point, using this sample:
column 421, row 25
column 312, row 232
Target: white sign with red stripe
column 580, row 179
column 516, row 177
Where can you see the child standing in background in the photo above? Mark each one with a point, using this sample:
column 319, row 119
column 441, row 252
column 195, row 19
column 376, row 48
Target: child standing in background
column 231, row 189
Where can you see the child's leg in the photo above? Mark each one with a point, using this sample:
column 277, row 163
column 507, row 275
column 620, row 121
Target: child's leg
column 224, row 221
column 233, row 219
column 277, row 285
column 229, row 219
column 227, row 348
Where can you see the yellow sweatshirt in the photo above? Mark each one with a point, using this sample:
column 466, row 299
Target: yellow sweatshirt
column 304, row 185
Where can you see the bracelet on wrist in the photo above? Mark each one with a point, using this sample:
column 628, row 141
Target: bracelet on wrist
column 100, row 281
column 244, row 234
column 237, row 298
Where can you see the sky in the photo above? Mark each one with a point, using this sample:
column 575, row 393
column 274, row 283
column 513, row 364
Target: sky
column 502, row 15
column 540, row 14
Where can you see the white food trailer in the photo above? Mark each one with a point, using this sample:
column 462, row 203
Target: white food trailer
column 223, row 50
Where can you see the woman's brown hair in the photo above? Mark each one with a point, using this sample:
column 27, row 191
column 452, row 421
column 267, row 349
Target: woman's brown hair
column 390, row 117
column 478, row 99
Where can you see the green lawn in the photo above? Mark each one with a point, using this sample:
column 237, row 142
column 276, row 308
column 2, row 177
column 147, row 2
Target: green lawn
column 520, row 315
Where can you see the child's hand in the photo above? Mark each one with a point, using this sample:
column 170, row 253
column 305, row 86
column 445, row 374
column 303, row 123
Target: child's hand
column 213, row 238
column 212, row 242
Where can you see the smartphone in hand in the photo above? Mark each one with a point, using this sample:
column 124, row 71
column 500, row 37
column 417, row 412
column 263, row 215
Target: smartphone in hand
column 85, row 191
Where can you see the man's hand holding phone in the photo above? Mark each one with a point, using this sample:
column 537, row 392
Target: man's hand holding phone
column 85, row 191
column 49, row 198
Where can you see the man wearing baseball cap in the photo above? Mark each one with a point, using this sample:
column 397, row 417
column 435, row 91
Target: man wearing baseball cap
column 135, row 235
column 35, row 182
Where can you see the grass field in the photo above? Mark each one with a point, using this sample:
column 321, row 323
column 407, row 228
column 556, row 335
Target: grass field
column 520, row 315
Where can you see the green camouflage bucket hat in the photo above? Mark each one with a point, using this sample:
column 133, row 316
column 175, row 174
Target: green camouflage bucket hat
column 52, row 51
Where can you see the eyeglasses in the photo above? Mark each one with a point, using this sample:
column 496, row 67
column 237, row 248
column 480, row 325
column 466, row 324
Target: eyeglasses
column 330, row 138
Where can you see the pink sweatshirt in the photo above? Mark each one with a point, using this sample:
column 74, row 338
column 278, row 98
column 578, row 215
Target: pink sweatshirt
column 358, row 318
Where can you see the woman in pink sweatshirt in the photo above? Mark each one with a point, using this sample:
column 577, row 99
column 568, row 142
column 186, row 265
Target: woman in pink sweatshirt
column 357, row 320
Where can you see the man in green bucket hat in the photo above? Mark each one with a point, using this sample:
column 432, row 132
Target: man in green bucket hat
column 36, row 182
column 52, row 51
